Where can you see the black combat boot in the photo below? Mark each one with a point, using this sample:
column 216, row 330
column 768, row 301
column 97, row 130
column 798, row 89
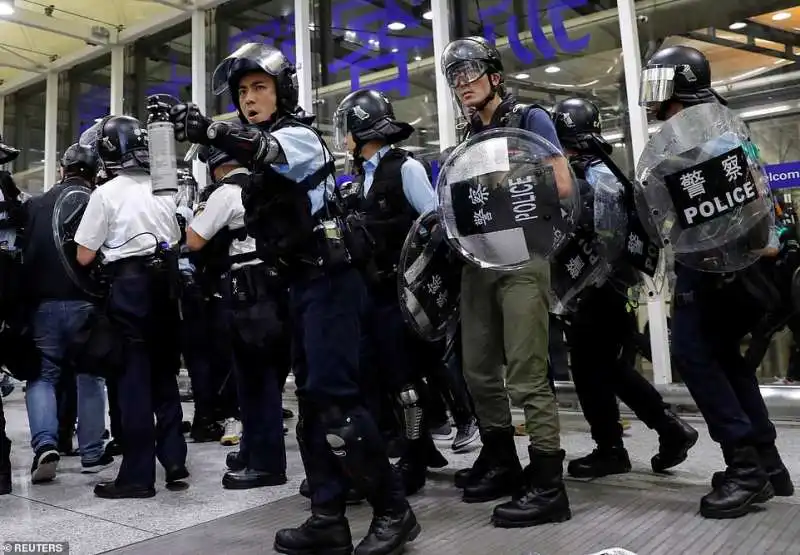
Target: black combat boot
column 326, row 531
column 773, row 465
column 470, row 475
column 544, row 498
column 603, row 461
column 744, row 483
column 5, row 465
column 675, row 438
column 389, row 531
column 421, row 454
column 503, row 473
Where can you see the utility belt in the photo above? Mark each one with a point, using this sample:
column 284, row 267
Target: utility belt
column 253, row 283
column 159, row 266
column 258, row 305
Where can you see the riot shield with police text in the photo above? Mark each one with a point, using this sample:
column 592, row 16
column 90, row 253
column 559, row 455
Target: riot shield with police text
column 705, row 191
column 505, row 196
column 429, row 279
column 68, row 211
column 579, row 265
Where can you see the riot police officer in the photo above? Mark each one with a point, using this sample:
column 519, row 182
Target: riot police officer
column 288, row 211
column 505, row 319
column 711, row 315
column 135, row 232
column 10, row 193
column 61, row 305
column 391, row 190
column 599, row 331
column 251, row 293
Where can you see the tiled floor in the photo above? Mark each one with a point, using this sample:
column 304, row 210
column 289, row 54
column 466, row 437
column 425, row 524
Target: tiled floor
column 66, row 509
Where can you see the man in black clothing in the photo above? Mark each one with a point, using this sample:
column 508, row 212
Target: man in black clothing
column 60, row 308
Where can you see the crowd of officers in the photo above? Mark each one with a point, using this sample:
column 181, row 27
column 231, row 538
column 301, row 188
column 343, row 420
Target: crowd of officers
column 258, row 279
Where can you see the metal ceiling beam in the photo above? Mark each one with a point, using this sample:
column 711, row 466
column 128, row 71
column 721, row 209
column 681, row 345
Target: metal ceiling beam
column 177, row 4
column 712, row 38
column 30, row 68
column 761, row 31
column 71, row 28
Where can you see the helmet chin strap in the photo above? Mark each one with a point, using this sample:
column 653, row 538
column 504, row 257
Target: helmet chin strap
column 491, row 96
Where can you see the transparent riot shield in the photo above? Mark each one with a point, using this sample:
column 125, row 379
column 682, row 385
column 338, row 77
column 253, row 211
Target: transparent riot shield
column 610, row 214
column 702, row 187
column 580, row 265
column 429, row 279
column 68, row 211
column 505, row 196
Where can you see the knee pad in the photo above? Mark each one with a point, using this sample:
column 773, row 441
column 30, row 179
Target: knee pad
column 355, row 455
column 412, row 412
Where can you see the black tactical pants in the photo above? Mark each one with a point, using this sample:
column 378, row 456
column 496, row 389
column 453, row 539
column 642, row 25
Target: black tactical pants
column 598, row 335
column 147, row 318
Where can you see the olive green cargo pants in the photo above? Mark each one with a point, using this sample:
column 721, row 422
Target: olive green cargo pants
column 504, row 322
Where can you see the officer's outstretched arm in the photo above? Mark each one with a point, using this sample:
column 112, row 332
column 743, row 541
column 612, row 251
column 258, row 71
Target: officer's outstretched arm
column 251, row 146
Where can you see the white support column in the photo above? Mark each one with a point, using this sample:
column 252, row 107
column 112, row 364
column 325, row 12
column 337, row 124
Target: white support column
column 199, row 84
column 444, row 100
column 304, row 60
column 656, row 305
column 2, row 114
column 116, row 104
column 51, row 131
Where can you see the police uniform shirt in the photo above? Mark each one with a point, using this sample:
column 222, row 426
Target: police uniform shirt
column 123, row 216
column 8, row 237
column 305, row 154
column 416, row 185
column 538, row 121
column 224, row 208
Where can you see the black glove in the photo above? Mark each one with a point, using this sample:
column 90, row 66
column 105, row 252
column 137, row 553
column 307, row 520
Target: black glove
column 190, row 124
column 249, row 145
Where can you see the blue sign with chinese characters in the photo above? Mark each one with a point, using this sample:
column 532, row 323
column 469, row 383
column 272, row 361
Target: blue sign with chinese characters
column 784, row 176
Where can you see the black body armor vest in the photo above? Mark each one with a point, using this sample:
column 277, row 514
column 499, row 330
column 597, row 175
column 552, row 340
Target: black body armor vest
column 388, row 214
column 278, row 210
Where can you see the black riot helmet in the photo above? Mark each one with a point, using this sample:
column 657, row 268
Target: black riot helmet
column 369, row 116
column 256, row 56
column 677, row 74
column 7, row 153
column 468, row 59
column 79, row 160
column 119, row 142
column 577, row 123
column 214, row 158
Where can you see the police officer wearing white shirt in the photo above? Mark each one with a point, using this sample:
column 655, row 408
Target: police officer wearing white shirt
column 251, row 293
column 132, row 229
column 287, row 210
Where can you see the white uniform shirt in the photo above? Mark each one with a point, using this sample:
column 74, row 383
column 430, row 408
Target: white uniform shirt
column 124, row 213
column 224, row 208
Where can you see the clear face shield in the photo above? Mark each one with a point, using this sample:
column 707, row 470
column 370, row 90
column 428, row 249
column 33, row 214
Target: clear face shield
column 340, row 131
column 656, row 85
column 460, row 75
column 267, row 57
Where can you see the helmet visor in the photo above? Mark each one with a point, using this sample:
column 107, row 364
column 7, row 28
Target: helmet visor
column 464, row 73
column 656, row 84
column 340, row 130
column 89, row 138
column 264, row 56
